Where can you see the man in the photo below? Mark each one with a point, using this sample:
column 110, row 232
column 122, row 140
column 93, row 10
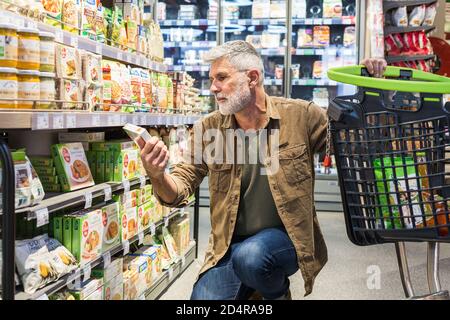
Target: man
column 264, row 226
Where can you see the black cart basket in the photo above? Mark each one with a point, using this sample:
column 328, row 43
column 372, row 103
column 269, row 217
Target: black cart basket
column 391, row 144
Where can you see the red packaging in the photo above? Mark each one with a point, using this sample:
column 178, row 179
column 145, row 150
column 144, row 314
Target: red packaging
column 398, row 39
column 391, row 46
column 411, row 40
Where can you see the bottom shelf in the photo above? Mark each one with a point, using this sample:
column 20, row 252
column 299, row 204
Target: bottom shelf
column 169, row 277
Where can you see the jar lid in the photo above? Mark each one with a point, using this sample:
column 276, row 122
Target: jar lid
column 8, row 70
column 47, row 74
column 29, row 73
column 8, row 26
column 28, row 30
column 44, row 34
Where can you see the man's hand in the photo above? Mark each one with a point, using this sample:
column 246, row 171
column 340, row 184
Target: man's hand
column 154, row 157
column 375, row 66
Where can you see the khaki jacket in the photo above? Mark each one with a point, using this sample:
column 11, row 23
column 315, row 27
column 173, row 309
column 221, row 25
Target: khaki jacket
column 302, row 133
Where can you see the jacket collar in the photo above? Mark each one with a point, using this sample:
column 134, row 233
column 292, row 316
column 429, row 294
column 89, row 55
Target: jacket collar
column 271, row 110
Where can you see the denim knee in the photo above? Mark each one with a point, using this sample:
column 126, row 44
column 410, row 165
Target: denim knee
column 251, row 259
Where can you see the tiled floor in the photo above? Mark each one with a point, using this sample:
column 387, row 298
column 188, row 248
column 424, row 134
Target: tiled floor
column 346, row 275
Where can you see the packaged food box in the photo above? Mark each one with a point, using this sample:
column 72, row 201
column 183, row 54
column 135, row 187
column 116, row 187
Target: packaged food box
column 332, row 8
column 70, row 15
column 113, row 290
column 88, row 16
column 261, row 9
column 140, row 264
column 146, row 93
column 128, row 199
column 94, row 96
column 72, row 166
column 65, row 137
column 91, row 157
column 126, row 165
column 42, row 161
column 136, row 83
column 152, row 254
column 109, row 166
column 131, row 286
column 170, row 244
column 54, row 9
column 53, row 188
column 277, row 9
column 92, row 68
column 180, row 229
column 68, row 62
column 45, row 171
column 146, row 194
column 28, row 187
column 321, row 36
column 112, row 145
column 86, row 289
column 145, row 213
column 49, row 179
column 58, row 228
column 70, row 93
column 111, row 226
column 87, row 236
column 129, row 223
column 67, row 232
column 100, row 167
column 110, row 272
column 136, row 132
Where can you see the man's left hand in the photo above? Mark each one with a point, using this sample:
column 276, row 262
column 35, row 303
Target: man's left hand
column 375, row 66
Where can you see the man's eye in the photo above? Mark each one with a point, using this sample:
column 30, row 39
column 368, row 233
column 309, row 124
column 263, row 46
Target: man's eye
column 221, row 78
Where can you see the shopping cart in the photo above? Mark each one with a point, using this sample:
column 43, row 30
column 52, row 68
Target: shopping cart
column 391, row 145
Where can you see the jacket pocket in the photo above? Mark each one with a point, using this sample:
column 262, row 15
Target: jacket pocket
column 220, row 177
column 294, row 162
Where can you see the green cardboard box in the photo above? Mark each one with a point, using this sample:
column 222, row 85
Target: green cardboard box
column 87, row 231
column 67, row 232
column 111, row 226
column 58, row 228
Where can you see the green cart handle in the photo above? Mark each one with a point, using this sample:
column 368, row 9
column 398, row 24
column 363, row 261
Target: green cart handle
column 420, row 81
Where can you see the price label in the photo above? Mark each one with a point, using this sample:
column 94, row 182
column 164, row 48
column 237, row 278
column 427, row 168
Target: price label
column 346, row 21
column 135, row 120
column 108, row 193
column 141, row 238
column 120, row 55
column 32, row 24
column 256, row 22
column 87, row 272
column 42, row 121
column 327, row 21
column 143, row 180
column 123, row 119
column 43, row 297
column 152, row 229
column 126, row 247
column 117, row 119
column 126, row 185
column 59, row 36
column 317, row 21
column 166, row 222
column 88, row 200
column 98, row 48
column 320, row 52
column 41, row 217
column 58, row 121
column 170, row 272
column 74, row 42
column 73, row 281
column 183, row 261
column 96, row 120
column 111, row 120
column 106, row 259
column 71, row 121
column 308, row 21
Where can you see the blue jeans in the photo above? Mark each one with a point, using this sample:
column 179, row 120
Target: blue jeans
column 262, row 262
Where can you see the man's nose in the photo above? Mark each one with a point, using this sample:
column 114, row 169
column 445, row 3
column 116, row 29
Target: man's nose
column 214, row 89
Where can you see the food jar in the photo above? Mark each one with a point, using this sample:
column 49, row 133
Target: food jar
column 47, row 87
column 29, row 88
column 8, row 87
column 8, row 45
column 47, row 52
column 29, row 49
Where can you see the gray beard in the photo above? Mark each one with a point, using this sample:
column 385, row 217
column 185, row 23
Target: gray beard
column 236, row 101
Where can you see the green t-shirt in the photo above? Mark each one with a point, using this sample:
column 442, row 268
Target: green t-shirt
column 257, row 210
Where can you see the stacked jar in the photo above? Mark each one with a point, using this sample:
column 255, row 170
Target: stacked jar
column 47, row 68
column 28, row 65
column 8, row 65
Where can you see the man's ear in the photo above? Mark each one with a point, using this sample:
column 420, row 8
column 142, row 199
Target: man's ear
column 254, row 78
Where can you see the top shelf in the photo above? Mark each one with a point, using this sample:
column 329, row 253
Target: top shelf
column 391, row 4
column 392, row 29
column 74, row 40
column 260, row 22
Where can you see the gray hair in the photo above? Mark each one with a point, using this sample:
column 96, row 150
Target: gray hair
column 241, row 54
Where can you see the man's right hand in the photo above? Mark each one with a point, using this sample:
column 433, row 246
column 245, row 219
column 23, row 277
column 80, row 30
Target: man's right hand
column 155, row 156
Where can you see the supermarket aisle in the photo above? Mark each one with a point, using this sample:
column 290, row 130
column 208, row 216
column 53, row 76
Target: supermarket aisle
column 345, row 275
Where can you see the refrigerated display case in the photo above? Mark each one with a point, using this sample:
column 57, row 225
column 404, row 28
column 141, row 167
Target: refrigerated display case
column 189, row 30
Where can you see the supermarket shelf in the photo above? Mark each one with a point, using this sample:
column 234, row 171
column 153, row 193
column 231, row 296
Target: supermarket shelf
column 307, row 52
column 69, row 278
column 168, row 277
column 301, row 82
column 54, row 119
column 391, row 29
column 388, row 5
column 84, row 43
column 188, row 68
column 408, row 58
column 282, row 22
column 77, row 197
column 192, row 44
column 187, row 23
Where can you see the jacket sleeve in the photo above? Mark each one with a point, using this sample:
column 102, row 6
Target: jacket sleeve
column 189, row 173
column 317, row 128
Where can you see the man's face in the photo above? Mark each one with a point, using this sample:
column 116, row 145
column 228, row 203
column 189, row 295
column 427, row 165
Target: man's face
column 230, row 87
